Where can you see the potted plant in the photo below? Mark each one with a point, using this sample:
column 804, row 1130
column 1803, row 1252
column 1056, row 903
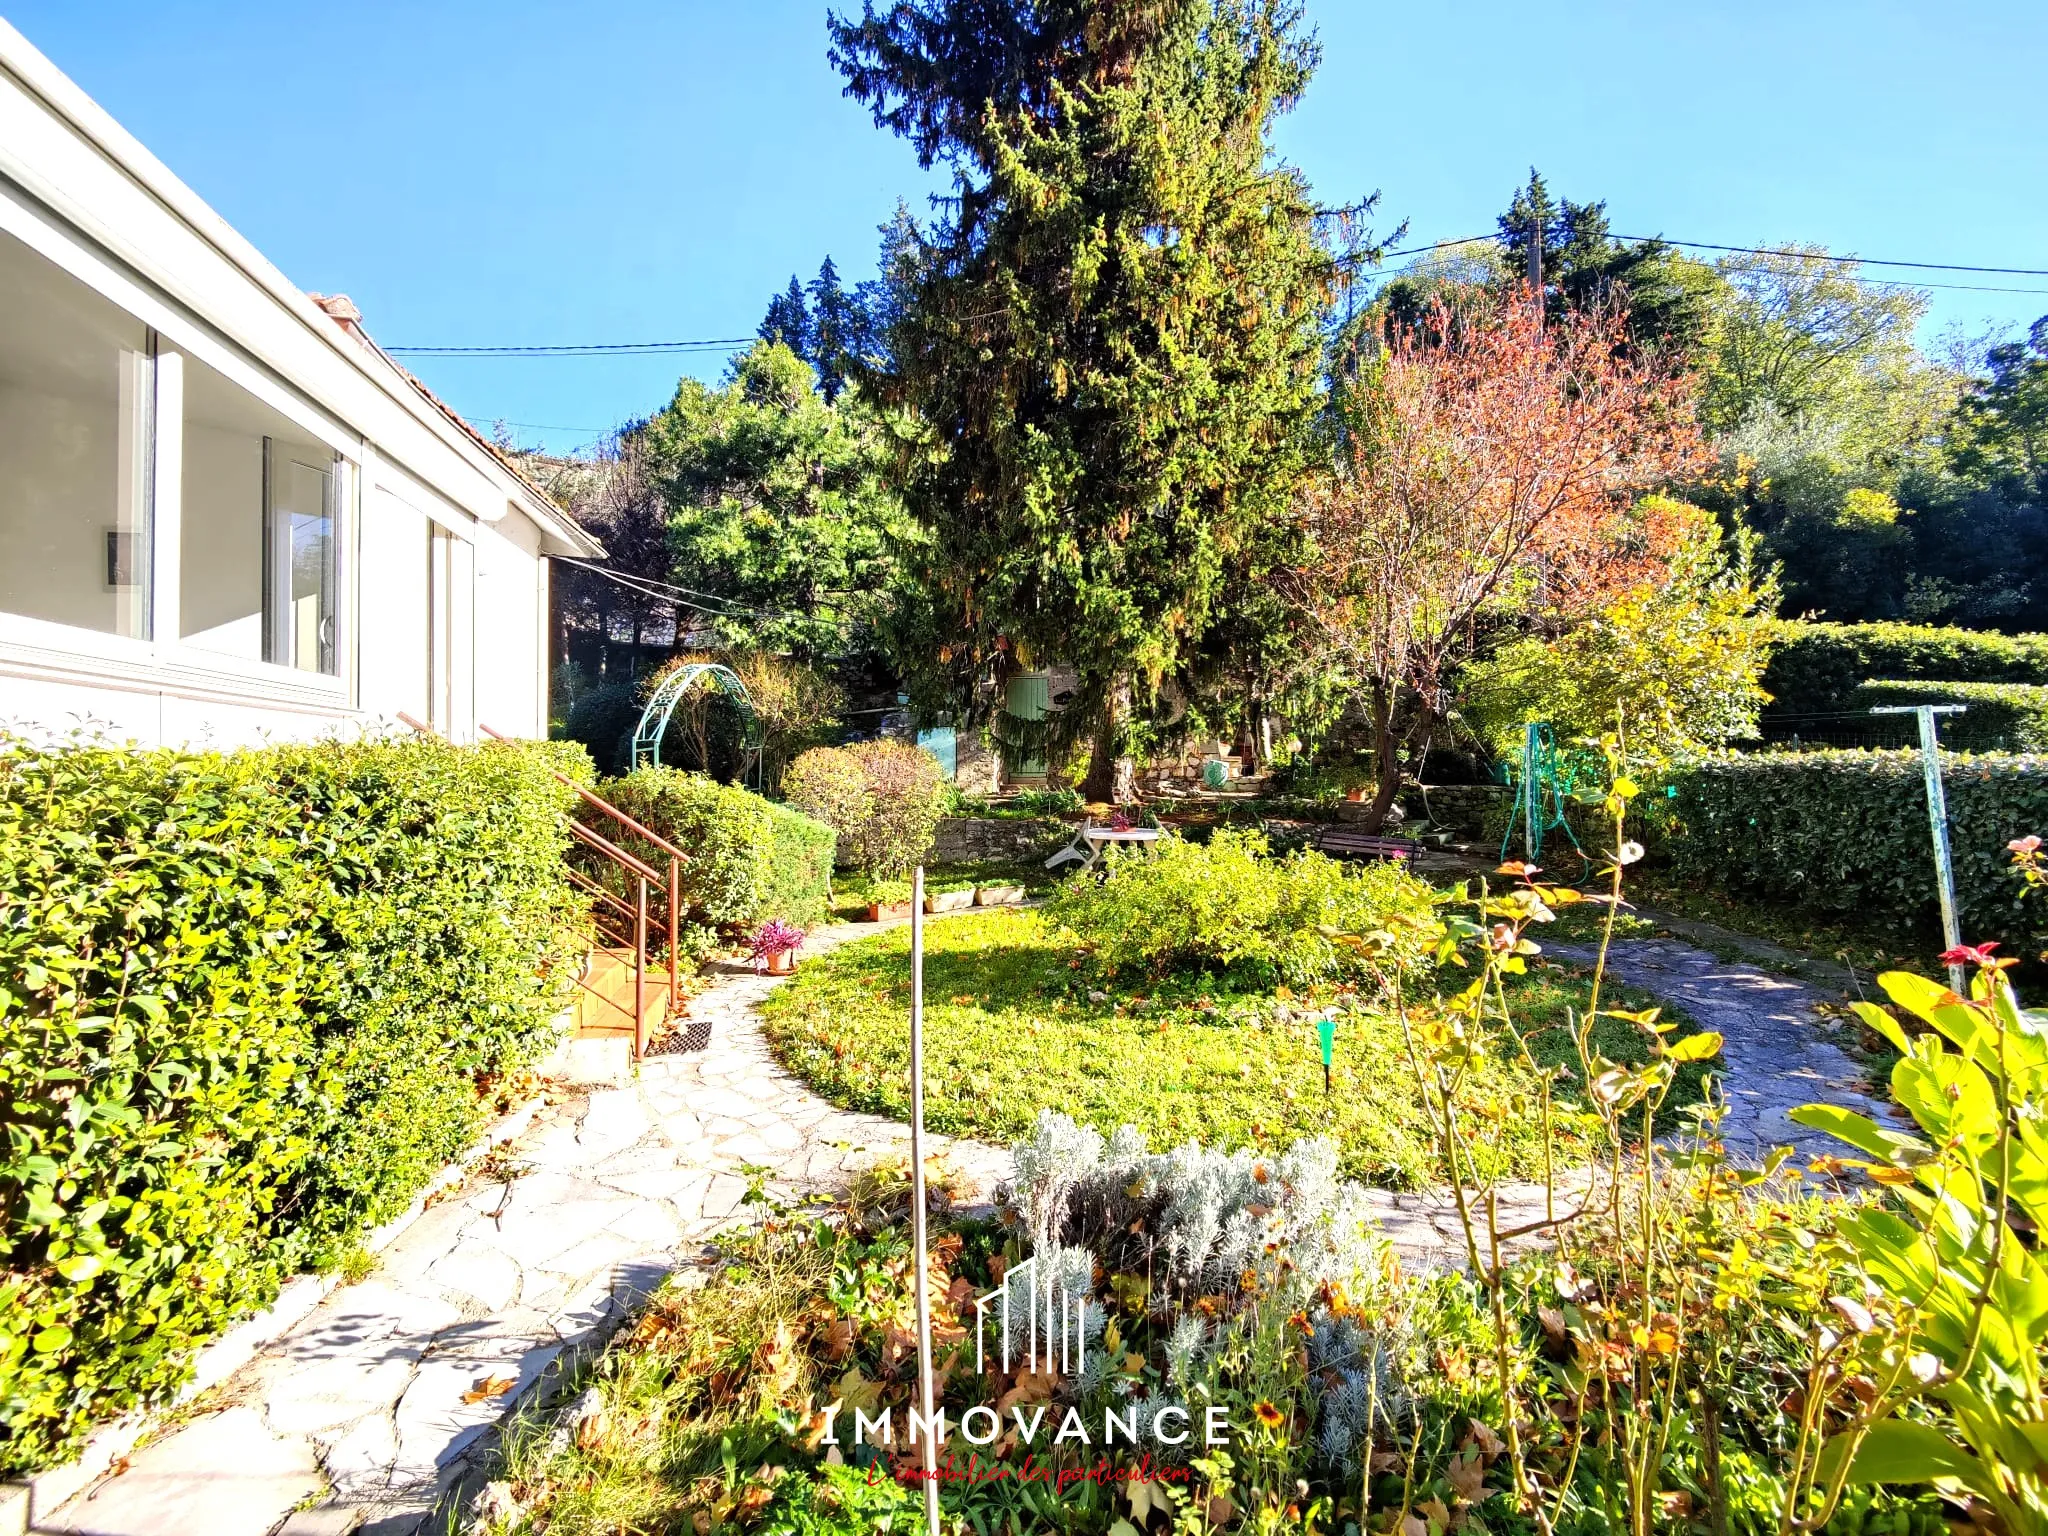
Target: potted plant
column 887, row 899
column 998, row 895
column 949, row 896
column 774, row 946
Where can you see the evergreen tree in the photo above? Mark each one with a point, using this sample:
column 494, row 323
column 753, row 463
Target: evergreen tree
column 788, row 320
column 836, row 330
column 1111, row 333
column 1669, row 296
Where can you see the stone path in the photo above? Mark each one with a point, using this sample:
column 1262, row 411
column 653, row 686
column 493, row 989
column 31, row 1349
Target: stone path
column 1778, row 1051
column 362, row 1415
column 365, row 1415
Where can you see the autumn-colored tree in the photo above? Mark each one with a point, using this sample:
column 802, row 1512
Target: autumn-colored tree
column 1488, row 462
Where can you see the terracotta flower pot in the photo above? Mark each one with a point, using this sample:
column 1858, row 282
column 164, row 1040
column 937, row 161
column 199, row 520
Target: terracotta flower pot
column 882, row 911
column 782, row 962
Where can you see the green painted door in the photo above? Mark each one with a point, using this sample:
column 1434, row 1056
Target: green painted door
column 1027, row 699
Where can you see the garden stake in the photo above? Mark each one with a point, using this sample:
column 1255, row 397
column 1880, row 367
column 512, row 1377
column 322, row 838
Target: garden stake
column 1326, row 1035
column 1937, row 818
column 917, row 1209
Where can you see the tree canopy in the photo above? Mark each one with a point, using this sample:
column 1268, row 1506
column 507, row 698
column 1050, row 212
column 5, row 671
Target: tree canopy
column 1110, row 333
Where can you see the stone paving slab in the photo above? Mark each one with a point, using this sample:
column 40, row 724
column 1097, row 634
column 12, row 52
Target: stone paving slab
column 377, row 1399
column 1778, row 1051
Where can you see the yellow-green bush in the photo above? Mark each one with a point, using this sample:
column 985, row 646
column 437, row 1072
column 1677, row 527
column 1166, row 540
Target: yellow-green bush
column 248, row 1003
column 1227, row 904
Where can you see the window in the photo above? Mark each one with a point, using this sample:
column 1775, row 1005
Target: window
column 257, row 541
column 76, row 395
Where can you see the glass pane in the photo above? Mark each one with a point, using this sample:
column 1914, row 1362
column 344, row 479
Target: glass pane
column 302, row 551
column 75, row 386
column 257, row 578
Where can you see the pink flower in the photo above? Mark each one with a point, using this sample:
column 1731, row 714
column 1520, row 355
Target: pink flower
column 1970, row 954
column 2026, row 844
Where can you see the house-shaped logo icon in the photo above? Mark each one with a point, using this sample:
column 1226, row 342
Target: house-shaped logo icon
column 1049, row 1311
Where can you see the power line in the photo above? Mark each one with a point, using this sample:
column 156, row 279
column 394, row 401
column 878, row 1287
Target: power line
column 1867, row 261
column 537, row 426
column 582, row 348
column 1764, row 250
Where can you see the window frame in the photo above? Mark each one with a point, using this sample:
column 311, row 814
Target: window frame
column 173, row 334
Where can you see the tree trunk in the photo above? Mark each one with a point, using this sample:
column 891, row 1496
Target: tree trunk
column 1112, row 776
column 1386, row 758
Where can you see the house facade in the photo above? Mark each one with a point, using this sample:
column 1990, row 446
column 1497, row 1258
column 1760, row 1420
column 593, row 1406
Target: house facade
column 226, row 516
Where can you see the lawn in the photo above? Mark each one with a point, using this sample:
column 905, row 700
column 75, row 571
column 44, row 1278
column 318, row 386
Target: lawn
column 1016, row 1022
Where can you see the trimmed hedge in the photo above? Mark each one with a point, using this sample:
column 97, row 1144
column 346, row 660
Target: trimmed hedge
column 2001, row 717
column 1845, row 834
column 248, row 1004
column 749, row 859
column 1817, row 668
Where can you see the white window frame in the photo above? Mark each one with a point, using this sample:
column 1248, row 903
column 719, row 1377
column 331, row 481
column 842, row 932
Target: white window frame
column 175, row 335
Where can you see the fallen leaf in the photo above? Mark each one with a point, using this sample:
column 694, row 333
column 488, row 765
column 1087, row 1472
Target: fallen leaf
column 1467, row 1476
column 488, row 1387
column 1490, row 1445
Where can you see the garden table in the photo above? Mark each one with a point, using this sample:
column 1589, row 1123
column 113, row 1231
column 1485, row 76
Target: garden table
column 1087, row 847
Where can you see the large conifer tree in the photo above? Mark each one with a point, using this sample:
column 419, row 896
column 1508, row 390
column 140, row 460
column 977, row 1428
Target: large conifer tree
column 1111, row 333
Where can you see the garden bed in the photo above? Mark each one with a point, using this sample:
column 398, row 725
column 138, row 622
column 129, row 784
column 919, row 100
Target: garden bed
column 1016, row 1022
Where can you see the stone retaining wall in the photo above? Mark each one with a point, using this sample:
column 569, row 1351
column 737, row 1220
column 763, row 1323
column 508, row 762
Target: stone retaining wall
column 967, row 839
column 1463, row 806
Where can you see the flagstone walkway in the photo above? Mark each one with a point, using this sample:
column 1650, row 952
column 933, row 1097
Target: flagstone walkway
column 365, row 1415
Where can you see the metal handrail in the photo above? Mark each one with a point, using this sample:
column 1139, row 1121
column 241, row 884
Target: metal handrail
column 639, row 870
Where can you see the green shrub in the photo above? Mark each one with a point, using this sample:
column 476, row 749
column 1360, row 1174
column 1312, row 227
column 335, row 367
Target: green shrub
column 884, row 799
column 1817, row 667
column 1845, row 834
column 2000, row 717
column 247, row 1004
column 1047, row 802
column 750, row 859
column 602, row 720
column 1227, row 904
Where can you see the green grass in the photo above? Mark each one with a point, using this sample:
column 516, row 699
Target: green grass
column 1011, row 1029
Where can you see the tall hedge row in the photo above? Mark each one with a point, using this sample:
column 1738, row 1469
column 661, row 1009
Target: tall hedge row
column 1817, row 668
column 749, row 858
column 1996, row 717
column 248, row 1003
column 1845, row 834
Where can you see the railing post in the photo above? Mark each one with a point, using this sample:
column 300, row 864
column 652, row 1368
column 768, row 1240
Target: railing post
column 640, row 972
column 675, row 901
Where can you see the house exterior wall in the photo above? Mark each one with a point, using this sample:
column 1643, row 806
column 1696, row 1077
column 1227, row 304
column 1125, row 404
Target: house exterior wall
column 436, row 580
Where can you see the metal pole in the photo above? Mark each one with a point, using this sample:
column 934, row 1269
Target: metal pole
column 919, row 1244
column 675, row 902
column 640, row 973
column 1530, row 836
column 1937, row 820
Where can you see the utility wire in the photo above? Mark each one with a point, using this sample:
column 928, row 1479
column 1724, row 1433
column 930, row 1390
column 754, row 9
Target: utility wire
column 582, row 348
column 648, row 586
column 729, row 343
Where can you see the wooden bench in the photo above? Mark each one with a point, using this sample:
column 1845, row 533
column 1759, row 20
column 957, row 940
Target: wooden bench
column 1348, row 842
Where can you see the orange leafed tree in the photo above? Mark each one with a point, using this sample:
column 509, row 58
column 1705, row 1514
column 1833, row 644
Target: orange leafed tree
column 1489, row 462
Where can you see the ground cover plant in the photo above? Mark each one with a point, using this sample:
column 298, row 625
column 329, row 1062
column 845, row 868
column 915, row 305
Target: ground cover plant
column 249, row 1004
column 1016, row 1022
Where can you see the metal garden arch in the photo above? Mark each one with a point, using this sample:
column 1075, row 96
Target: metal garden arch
column 661, row 705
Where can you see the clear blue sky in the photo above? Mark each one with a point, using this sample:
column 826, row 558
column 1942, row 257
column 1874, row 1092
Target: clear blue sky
column 520, row 172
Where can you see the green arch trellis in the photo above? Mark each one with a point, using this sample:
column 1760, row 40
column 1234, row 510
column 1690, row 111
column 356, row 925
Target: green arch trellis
column 661, row 706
